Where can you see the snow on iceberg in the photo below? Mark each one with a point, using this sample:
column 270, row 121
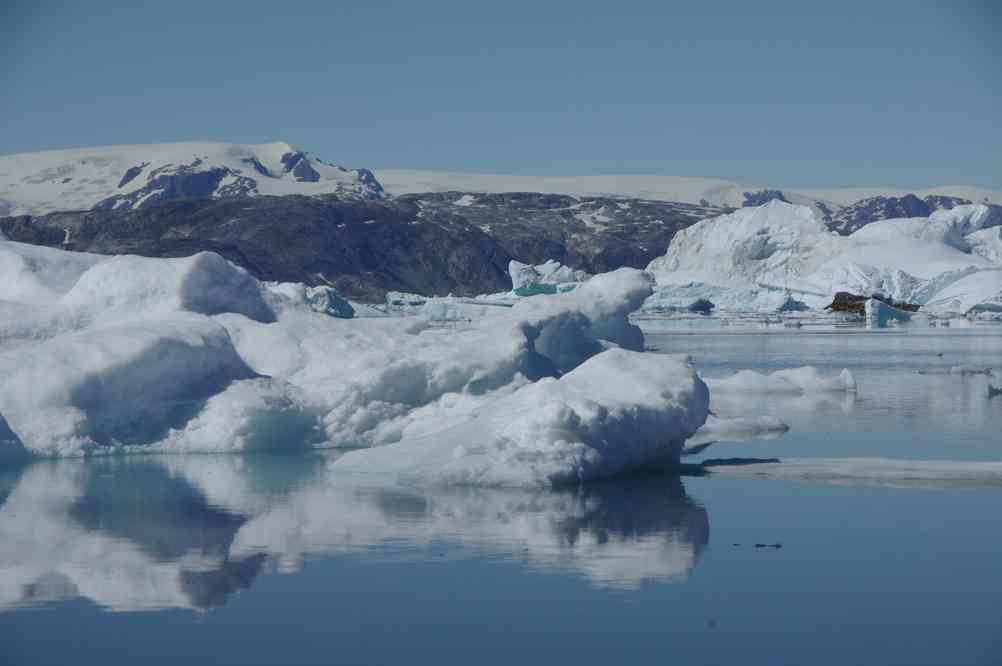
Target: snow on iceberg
column 36, row 274
column 669, row 298
column 193, row 354
column 759, row 253
column 806, row 379
column 546, row 278
column 617, row 411
column 112, row 387
column 979, row 292
column 774, row 244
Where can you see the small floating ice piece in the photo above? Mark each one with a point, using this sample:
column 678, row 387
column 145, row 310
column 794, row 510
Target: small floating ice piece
column 970, row 370
column 805, row 379
column 871, row 471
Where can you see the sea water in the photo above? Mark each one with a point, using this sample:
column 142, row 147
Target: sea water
column 267, row 559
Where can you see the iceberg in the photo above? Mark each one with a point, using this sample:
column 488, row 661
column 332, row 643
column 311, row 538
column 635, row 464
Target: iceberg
column 775, row 244
column 975, row 293
column 546, row 278
column 618, row 411
column 128, row 354
column 753, row 259
column 880, row 314
column 679, row 298
column 805, row 379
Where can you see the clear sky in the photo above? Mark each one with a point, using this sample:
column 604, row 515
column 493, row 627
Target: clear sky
column 791, row 93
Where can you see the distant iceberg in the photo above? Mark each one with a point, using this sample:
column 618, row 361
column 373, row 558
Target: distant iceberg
column 758, row 259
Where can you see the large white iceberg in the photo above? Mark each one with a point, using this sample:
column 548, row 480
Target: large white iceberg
column 755, row 259
column 103, row 355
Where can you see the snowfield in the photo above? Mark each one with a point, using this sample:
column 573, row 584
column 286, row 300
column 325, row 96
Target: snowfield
column 122, row 354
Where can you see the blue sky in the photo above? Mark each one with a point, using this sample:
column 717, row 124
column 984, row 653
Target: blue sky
column 786, row 93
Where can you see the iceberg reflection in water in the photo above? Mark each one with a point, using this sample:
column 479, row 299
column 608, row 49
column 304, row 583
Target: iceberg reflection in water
column 151, row 533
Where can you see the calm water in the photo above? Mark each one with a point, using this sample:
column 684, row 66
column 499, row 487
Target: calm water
column 264, row 559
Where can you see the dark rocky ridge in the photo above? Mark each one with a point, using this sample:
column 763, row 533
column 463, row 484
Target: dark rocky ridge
column 855, row 304
column 865, row 211
column 594, row 234
column 424, row 243
column 432, row 243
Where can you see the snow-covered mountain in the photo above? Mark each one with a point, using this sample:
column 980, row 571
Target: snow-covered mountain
column 143, row 175
column 712, row 191
column 140, row 176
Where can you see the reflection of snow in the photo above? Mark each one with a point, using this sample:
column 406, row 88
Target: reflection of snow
column 185, row 532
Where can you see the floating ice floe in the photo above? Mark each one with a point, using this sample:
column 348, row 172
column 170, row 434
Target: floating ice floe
column 137, row 354
column 869, row 471
column 970, row 370
column 805, row 379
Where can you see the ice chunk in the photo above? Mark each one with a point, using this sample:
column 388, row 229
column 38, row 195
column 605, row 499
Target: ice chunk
column 36, row 275
column 322, row 299
column 970, row 370
column 400, row 298
column 880, row 314
column 114, row 386
column 204, row 283
column 791, row 381
column 619, row 410
column 250, row 414
column 546, row 278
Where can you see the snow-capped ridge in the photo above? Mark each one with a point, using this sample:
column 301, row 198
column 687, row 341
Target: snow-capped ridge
column 137, row 176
